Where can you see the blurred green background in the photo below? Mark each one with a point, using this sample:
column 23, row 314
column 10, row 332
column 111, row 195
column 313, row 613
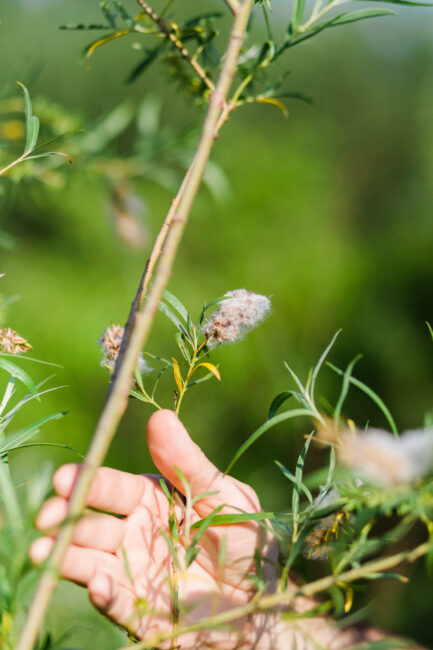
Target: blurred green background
column 329, row 212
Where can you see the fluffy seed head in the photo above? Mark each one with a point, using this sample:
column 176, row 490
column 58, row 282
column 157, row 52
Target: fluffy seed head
column 381, row 458
column 240, row 311
column 12, row 343
column 110, row 342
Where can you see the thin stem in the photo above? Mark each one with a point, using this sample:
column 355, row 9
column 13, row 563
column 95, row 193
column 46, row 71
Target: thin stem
column 176, row 42
column 140, row 326
column 12, row 164
column 269, row 602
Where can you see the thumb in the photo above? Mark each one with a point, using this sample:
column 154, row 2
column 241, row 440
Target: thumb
column 171, row 446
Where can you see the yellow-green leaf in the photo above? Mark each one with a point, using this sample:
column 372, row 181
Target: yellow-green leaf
column 213, row 369
column 106, row 39
column 177, row 375
column 273, row 102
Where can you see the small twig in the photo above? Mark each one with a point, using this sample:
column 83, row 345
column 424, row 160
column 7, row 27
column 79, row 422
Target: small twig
column 139, row 330
column 176, row 42
column 273, row 601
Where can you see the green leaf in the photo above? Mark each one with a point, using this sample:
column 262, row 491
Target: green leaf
column 297, row 489
column 28, row 115
column 182, row 347
column 373, row 396
column 292, row 478
column 50, row 153
column 176, row 304
column 208, row 305
column 320, row 363
column 430, row 329
column 278, row 401
column 344, row 389
column 15, row 440
column 354, row 16
column 297, row 15
column 19, row 373
column 288, row 415
column 174, row 319
column 225, row 520
column 32, row 135
column 137, row 70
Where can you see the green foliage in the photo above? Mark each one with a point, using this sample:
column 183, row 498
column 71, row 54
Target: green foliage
column 31, row 137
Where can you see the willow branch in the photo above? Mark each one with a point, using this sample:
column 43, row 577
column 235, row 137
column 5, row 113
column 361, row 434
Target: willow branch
column 274, row 601
column 176, row 42
column 233, row 5
column 139, row 331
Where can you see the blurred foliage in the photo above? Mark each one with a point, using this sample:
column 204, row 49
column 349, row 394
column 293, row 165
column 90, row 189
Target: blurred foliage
column 329, row 212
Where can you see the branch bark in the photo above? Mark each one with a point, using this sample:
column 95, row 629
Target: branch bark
column 161, row 23
column 140, row 326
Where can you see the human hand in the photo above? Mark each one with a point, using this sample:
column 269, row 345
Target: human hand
column 125, row 563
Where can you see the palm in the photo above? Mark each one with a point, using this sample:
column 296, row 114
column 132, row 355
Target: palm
column 126, row 562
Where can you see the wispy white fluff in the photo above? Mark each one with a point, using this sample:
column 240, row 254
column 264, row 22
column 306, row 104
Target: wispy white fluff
column 381, row 458
column 110, row 342
column 239, row 312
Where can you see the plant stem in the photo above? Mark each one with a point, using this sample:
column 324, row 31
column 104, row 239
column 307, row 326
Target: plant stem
column 269, row 602
column 139, row 330
column 176, row 42
column 12, row 164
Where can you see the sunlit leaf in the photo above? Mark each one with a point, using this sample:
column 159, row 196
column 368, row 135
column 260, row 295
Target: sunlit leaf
column 89, row 50
column 15, row 440
column 177, row 375
column 176, row 304
column 224, row 520
column 273, row 101
column 213, row 369
column 19, row 373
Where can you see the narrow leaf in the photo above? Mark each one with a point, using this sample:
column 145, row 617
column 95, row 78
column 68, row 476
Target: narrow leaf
column 288, row 415
column 278, row 401
column 344, row 389
column 177, row 375
column 225, row 520
column 174, row 319
column 15, row 440
column 28, row 113
column 273, row 101
column 176, row 304
column 319, row 364
column 292, row 478
column 33, row 134
column 89, row 50
column 213, row 369
column 373, row 396
column 19, row 373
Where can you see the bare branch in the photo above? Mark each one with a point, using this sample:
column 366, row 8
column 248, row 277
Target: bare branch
column 176, row 42
column 171, row 233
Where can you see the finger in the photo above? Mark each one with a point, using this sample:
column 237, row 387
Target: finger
column 111, row 490
column 95, row 530
column 114, row 600
column 171, row 446
column 80, row 564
